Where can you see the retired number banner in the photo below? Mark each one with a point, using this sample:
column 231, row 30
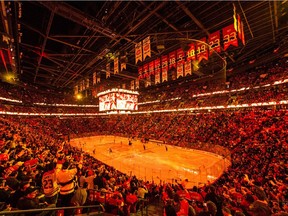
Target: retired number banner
column 202, row 50
column 191, row 53
column 214, row 42
column 229, row 36
column 172, row 59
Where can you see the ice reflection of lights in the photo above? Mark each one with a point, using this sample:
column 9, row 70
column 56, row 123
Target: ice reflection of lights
column 211, row 177
column 196, row 172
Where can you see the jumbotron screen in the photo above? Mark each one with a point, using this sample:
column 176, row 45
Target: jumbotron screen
column 118, row 99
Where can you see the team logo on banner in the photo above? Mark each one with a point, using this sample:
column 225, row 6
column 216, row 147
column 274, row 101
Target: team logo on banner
column 214, row 42
column 187, row 68
column 172, row 59
column 146, row 70
column 116, row 65
column 229, row 36
column 140, row 72
column 202, row 50
column 157, row 70
column 191, row 53
column 107, row 70
column 151, row 68
column 146, row 48
column 138, row 52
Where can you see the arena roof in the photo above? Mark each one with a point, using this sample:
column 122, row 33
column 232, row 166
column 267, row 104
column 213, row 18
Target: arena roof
column 57, row 44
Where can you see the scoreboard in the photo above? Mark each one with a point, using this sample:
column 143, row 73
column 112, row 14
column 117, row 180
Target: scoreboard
column 118, row 99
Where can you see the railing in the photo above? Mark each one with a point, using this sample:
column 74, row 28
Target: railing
column 59, row 211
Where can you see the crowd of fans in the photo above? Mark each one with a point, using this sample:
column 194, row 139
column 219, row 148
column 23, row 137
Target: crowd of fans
column 40, row 169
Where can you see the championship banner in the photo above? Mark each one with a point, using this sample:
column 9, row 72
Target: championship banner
column 137, row 83
column 164, row 68
column 180, row 62
column 229, row 36
column 172, row 59
column 94, row 78
column 148, row 81
column 191, row 53
column 140, row 72
column 87, row 82
column 132, row 86
column 123, row 85
column 187, row 68
column 98, row 78
column 116, row 65
column 80, row 87
column 146, row 70
column 146, row 48
column 179, row 70
column 83, row 84
column 94, row 92
column 164, row 74
column 138, row 52
column 202, row 50
column 107, row 70
column 214, row 42
column 123, row 66
column 157, row 70
column 76, row 90
column 157, row 77
column 151, row 68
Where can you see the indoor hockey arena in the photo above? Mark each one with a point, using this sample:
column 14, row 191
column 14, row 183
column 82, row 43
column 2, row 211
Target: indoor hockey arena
column 151, row 108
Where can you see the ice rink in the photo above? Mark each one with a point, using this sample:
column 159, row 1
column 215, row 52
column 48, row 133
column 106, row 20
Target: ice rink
column 155, row 162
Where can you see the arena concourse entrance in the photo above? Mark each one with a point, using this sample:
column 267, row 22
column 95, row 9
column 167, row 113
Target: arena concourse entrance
column 153, row 161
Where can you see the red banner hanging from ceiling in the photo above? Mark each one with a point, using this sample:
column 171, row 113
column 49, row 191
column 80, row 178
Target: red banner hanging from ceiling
column 140, row 72
column 214, row 42
column 191, row 54
column 151, row 68
column 138, row 52
column 164, row 68
column 180, row 62
column 146, row 70
column 157, row 70
column 229, row 36
column 172, row 59
column 202, row 50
